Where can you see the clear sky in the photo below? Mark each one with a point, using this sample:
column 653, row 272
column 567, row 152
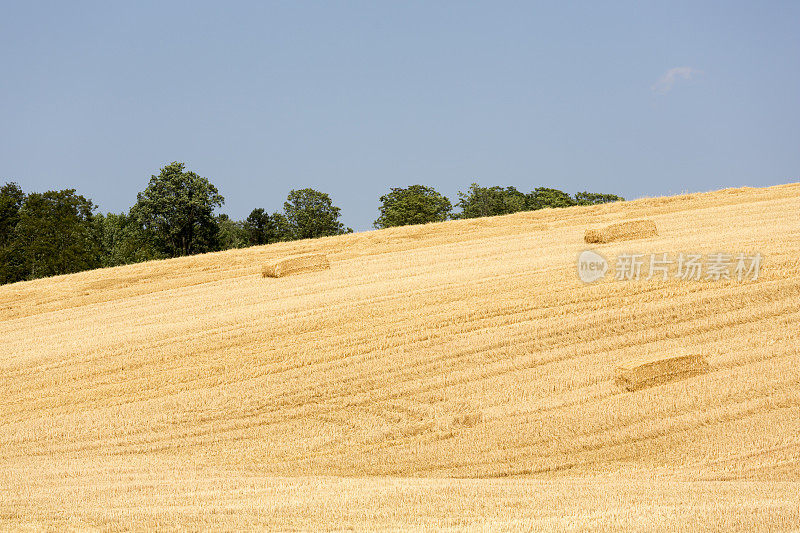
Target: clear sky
column 351, row 98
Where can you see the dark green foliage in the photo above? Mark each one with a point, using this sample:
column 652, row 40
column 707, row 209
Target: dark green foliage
column 593, row 198
column 122, row 241
column 262, row 228
column 543, row 197
column 11, row 198
column 231, row 233
column 490, row 201
column 176, row 212
column 415, row 204
column 311, row 214
column 54, row 235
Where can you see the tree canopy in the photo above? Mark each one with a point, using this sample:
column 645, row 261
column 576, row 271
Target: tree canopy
column 593, row 198
column 123, row 241
column 543, row 197
column 177, row 211
column 11, row 198
column 263, row 228
column 416, row 204
column 311, row 214
column 490, row 201
column 54, row 235
column 230, row 233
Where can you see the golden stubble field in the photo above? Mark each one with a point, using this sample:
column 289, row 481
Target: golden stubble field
column 455, row 375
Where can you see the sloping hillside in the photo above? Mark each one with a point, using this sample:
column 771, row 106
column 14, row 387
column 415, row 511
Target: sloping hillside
column 468, row 349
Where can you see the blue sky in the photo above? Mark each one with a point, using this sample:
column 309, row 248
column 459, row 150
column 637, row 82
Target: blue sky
column 352, row 98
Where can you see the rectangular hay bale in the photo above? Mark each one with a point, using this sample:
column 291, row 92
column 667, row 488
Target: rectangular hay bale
column 654, row 370
column 623, row 231
column 296, row 264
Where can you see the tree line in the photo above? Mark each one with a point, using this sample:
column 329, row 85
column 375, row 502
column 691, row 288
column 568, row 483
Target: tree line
column 60, row 232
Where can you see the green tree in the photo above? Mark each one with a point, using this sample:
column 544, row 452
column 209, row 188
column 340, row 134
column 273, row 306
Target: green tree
column 54, row 235
column 263, row 228
column 593, row 198
column 543, row 197
column 231, row 233
column 122, row 241
column 311, row 214
column 176, row 212
column 416, row 204
column 11, row 199
column 490, row 201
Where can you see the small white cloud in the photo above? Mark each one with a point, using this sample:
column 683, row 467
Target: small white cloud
column 667, row 81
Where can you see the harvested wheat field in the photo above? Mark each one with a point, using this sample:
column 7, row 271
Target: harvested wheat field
column 456, row 375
